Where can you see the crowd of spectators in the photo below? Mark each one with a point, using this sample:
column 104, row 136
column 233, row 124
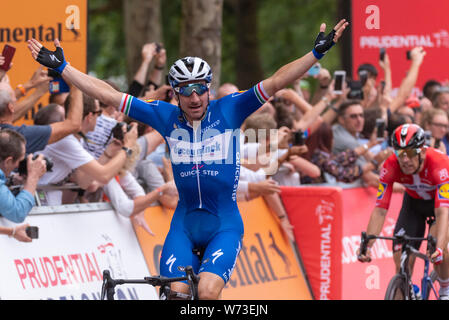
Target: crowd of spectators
column 299, row 137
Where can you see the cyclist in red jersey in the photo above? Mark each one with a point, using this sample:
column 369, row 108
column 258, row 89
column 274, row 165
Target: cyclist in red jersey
column 424, row 172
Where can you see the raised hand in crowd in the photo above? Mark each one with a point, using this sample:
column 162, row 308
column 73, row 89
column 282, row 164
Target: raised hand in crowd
column 40, row 76
column 417, row 55
column 2, row 72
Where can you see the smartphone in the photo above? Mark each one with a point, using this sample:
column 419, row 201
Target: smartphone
column 8, row 54
column 314, row 70
column 408, row 55
column 355, row 90
column 298, row 138
column 380, row 125
column 339, row 79
column 382, row 54
column 32, row 232
column 363, row 76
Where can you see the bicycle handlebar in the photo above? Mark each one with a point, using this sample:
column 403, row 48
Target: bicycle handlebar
column 108, row 287
column 401, row 238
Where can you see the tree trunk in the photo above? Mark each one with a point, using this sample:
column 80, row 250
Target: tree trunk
column 248, row 66
column 344, row 10
column 142, row 20
column 201, row 33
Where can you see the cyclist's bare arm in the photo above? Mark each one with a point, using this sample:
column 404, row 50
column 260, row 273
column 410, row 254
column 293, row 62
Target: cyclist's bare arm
column 295, row 69
column 91, row 86
column 375, row 225
column 441, row 226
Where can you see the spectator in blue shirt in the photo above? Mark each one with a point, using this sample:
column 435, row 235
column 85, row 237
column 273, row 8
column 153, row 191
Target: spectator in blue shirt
column 12, row 151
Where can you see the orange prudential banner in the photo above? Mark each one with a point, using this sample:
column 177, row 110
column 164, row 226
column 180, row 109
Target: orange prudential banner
column 44, row 20
column 267, row 267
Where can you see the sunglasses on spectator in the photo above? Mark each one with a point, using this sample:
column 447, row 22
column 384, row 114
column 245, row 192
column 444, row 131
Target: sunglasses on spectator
column 356, row 115
column 440, row 125
column 400, row 153
column 98, row 112
column 188, row 89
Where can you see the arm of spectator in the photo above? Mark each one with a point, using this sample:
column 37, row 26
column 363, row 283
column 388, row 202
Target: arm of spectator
column 290, row 72
column 24, row 105
column 331, row 113
column 148, row 52
column 417, row 56
column 16, row 208
column 39, row 77
column 103, row 173
column 17, row 232
column 72, row 123
column 156, row 72
column 256, row 189
column 324, row 80
column 154, row 139
column 274, row 202
column 305, row 167
column 386, row 66
column 2, row 72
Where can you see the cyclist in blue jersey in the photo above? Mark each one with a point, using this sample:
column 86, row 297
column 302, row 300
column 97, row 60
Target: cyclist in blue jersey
column 203, row 139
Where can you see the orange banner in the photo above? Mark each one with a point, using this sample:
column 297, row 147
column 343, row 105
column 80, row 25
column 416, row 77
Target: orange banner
column 43, row 20
column 267, row 267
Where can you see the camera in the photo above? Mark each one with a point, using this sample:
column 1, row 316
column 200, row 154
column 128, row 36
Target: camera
column 298, row 138
column 158, row 47
column 23, row 169
column 117, row 131
column 355, row 92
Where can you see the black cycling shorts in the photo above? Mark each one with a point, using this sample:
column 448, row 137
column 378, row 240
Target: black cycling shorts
column 412, row 218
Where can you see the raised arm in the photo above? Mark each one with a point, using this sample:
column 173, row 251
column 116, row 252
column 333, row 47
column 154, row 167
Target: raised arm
column 91, row 86
column 295, row 69
column 417, row 55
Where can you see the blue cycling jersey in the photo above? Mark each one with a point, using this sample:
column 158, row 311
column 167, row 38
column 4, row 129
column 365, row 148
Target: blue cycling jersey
column 205, row 159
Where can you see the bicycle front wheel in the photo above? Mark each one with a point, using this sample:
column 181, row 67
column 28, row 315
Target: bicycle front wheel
column 397, row 288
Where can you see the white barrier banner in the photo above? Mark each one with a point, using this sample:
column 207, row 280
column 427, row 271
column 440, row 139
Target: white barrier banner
column 68, row 258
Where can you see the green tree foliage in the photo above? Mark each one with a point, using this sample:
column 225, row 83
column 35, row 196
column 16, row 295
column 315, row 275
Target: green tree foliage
column 287, row 30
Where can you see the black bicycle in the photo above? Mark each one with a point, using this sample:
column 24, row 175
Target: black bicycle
column 165, row 293
column 400, row 286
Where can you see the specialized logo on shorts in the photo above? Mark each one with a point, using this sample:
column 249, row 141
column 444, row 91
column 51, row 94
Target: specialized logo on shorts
column 170, row 261
column 381, row 190
column 443, row 191
column 217, row 254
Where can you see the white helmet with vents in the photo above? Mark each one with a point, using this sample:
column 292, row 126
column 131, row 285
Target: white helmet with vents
column 189, row 69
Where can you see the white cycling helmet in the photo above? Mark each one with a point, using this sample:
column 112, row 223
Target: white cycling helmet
column 189, row 69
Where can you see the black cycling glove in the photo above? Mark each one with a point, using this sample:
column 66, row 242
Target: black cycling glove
column 323, row 43
column 52, row 59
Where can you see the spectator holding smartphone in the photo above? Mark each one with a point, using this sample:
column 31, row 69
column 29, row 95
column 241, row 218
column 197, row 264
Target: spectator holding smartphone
column 12, row 152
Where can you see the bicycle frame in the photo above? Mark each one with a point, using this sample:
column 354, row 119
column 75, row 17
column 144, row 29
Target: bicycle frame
column 406, row 252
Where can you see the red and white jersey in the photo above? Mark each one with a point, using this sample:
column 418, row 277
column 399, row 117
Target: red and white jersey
column 431, row 182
